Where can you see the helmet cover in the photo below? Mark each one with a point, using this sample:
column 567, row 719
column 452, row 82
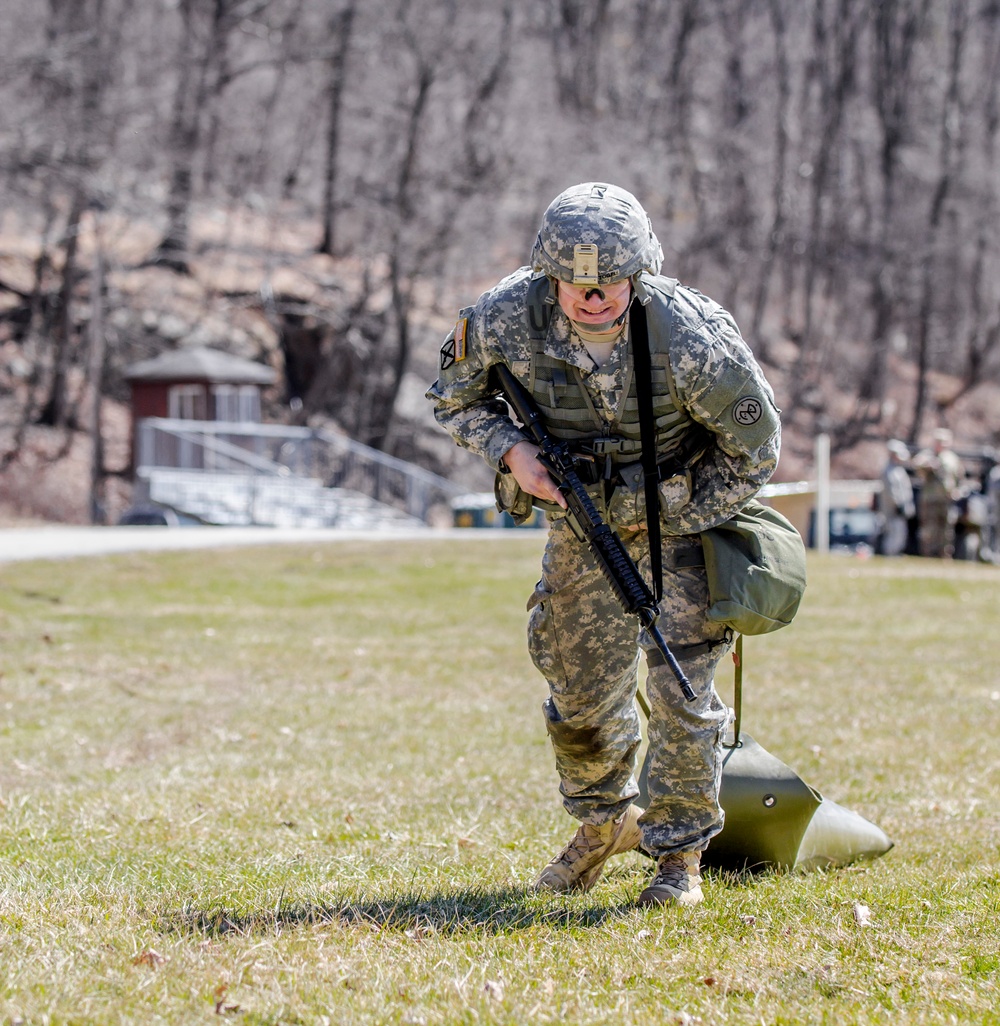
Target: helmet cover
column 594, row 234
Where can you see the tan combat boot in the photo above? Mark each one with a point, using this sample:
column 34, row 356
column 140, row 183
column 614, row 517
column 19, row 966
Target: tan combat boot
column 677, row 880
column 580, row 863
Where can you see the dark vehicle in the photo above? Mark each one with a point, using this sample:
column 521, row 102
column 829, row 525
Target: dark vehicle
column 149, row 515
column 851, row 527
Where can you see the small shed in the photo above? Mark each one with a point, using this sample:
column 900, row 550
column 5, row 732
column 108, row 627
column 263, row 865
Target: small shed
column 198, row 383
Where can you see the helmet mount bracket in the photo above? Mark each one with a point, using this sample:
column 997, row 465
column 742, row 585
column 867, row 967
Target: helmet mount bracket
column 585, row 257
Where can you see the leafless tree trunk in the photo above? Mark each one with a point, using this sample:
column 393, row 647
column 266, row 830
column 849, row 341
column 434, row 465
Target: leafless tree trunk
column 983, row 335
column 203, row 73
column 81, row 28
column 578, row 34
column 950, row 142
column 182, row 142
column 774, row 238
column 340, row 29
column 56, row 412
column 898, row 26
column 833, row 71
column 680, row 127
column 736, row 216
column 377, row 427
column 421, row 227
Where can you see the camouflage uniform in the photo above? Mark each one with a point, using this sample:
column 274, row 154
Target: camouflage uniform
column 716, row 438
column 580, row 640
column 940, row 472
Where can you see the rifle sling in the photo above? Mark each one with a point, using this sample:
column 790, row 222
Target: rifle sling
column 639, row 337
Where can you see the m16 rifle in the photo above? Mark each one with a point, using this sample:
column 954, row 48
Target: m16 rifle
column 617, row 566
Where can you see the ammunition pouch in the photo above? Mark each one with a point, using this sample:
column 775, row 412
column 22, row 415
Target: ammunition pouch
column 511, row 498
column 611, row 471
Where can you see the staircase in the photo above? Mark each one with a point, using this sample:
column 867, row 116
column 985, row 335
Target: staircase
column 258, row 474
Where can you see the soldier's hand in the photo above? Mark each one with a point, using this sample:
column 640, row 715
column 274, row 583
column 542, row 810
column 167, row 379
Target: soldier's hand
column 530, row 474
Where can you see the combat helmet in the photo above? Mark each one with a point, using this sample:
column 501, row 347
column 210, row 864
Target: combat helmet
column 594, row 234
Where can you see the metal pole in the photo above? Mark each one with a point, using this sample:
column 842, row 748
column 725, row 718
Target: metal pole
column 96, row 374
column 821, row 533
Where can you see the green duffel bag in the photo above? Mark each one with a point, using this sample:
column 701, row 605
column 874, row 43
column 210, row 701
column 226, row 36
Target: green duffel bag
column 773, row 819
column 756, row 564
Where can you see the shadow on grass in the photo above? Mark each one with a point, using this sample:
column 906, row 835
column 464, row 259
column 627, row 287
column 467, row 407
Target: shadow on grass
column 490, row 910
column 495, row 910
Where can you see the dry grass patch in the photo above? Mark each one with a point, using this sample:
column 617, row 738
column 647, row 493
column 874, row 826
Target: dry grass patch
column 312, row 785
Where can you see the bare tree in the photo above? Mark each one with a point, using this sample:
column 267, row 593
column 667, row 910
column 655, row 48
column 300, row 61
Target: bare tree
column 950, row 136
column 898, row 27
column 96, row 361
column 579, row 33
column 341, row 25
column 981, row 105
column 83, row 34
column 203, row 72
column 774, row 232
column 831, row 79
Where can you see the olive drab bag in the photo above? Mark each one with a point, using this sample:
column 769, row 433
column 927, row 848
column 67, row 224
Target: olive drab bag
column 756, row 565
column 773, row 819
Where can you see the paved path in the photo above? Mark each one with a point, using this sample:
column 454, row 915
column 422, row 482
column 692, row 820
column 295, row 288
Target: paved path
column 57, row 542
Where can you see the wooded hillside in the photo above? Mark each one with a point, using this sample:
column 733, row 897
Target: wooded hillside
column 320, row 184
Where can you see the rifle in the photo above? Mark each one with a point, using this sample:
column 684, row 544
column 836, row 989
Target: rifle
column 616, row 564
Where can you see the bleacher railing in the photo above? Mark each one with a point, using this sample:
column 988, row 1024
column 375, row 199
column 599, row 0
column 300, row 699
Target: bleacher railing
column 276, row 450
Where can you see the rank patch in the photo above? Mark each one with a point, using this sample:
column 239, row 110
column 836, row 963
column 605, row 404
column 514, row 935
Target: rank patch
column 747, row 410
column 461, row 334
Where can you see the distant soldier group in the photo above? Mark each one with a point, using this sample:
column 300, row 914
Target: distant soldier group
column 929, row 506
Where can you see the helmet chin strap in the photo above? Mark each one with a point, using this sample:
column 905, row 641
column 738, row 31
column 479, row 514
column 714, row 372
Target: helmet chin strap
column 603, row 327
column 601, row 332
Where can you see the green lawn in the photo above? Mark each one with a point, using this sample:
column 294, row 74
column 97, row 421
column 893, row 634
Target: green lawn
column 311, row 784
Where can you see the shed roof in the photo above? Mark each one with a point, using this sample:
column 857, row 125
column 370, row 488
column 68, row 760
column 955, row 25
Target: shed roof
column 199, row 363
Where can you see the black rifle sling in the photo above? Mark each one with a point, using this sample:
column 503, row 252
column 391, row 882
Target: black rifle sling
column 647, row 433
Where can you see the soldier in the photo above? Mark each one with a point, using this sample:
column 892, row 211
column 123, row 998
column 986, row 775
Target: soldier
column 562, row 326
column 941, row 474
column 895, row 501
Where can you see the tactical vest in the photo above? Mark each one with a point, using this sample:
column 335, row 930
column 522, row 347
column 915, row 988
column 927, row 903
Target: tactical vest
column 569, row 412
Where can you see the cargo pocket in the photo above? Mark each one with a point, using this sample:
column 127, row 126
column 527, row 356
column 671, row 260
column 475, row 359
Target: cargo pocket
column 543, row 645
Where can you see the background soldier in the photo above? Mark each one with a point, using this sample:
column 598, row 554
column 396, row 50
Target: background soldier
column 941, row 474
column 562, row 326
column 895, row 502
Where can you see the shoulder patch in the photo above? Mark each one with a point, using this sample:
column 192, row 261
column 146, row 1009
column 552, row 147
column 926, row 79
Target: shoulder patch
column 447, row 353
column 748, row 410
column 455, row 346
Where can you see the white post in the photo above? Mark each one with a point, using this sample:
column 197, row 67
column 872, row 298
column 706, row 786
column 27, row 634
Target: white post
column 821, row 535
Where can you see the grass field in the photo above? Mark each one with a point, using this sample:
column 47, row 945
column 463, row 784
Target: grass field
column 311, row 784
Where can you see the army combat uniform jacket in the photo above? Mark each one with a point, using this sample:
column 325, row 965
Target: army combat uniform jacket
column 705, row 379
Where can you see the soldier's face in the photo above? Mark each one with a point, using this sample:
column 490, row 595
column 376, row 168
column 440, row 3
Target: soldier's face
column 593, row 305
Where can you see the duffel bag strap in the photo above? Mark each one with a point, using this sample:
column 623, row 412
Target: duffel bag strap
column 737, row 690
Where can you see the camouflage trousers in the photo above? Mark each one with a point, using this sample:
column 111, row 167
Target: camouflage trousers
column 588, row 651
column 936, row 533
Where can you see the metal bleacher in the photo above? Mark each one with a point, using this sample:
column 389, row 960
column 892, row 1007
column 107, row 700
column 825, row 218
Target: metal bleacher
column 260, row 474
